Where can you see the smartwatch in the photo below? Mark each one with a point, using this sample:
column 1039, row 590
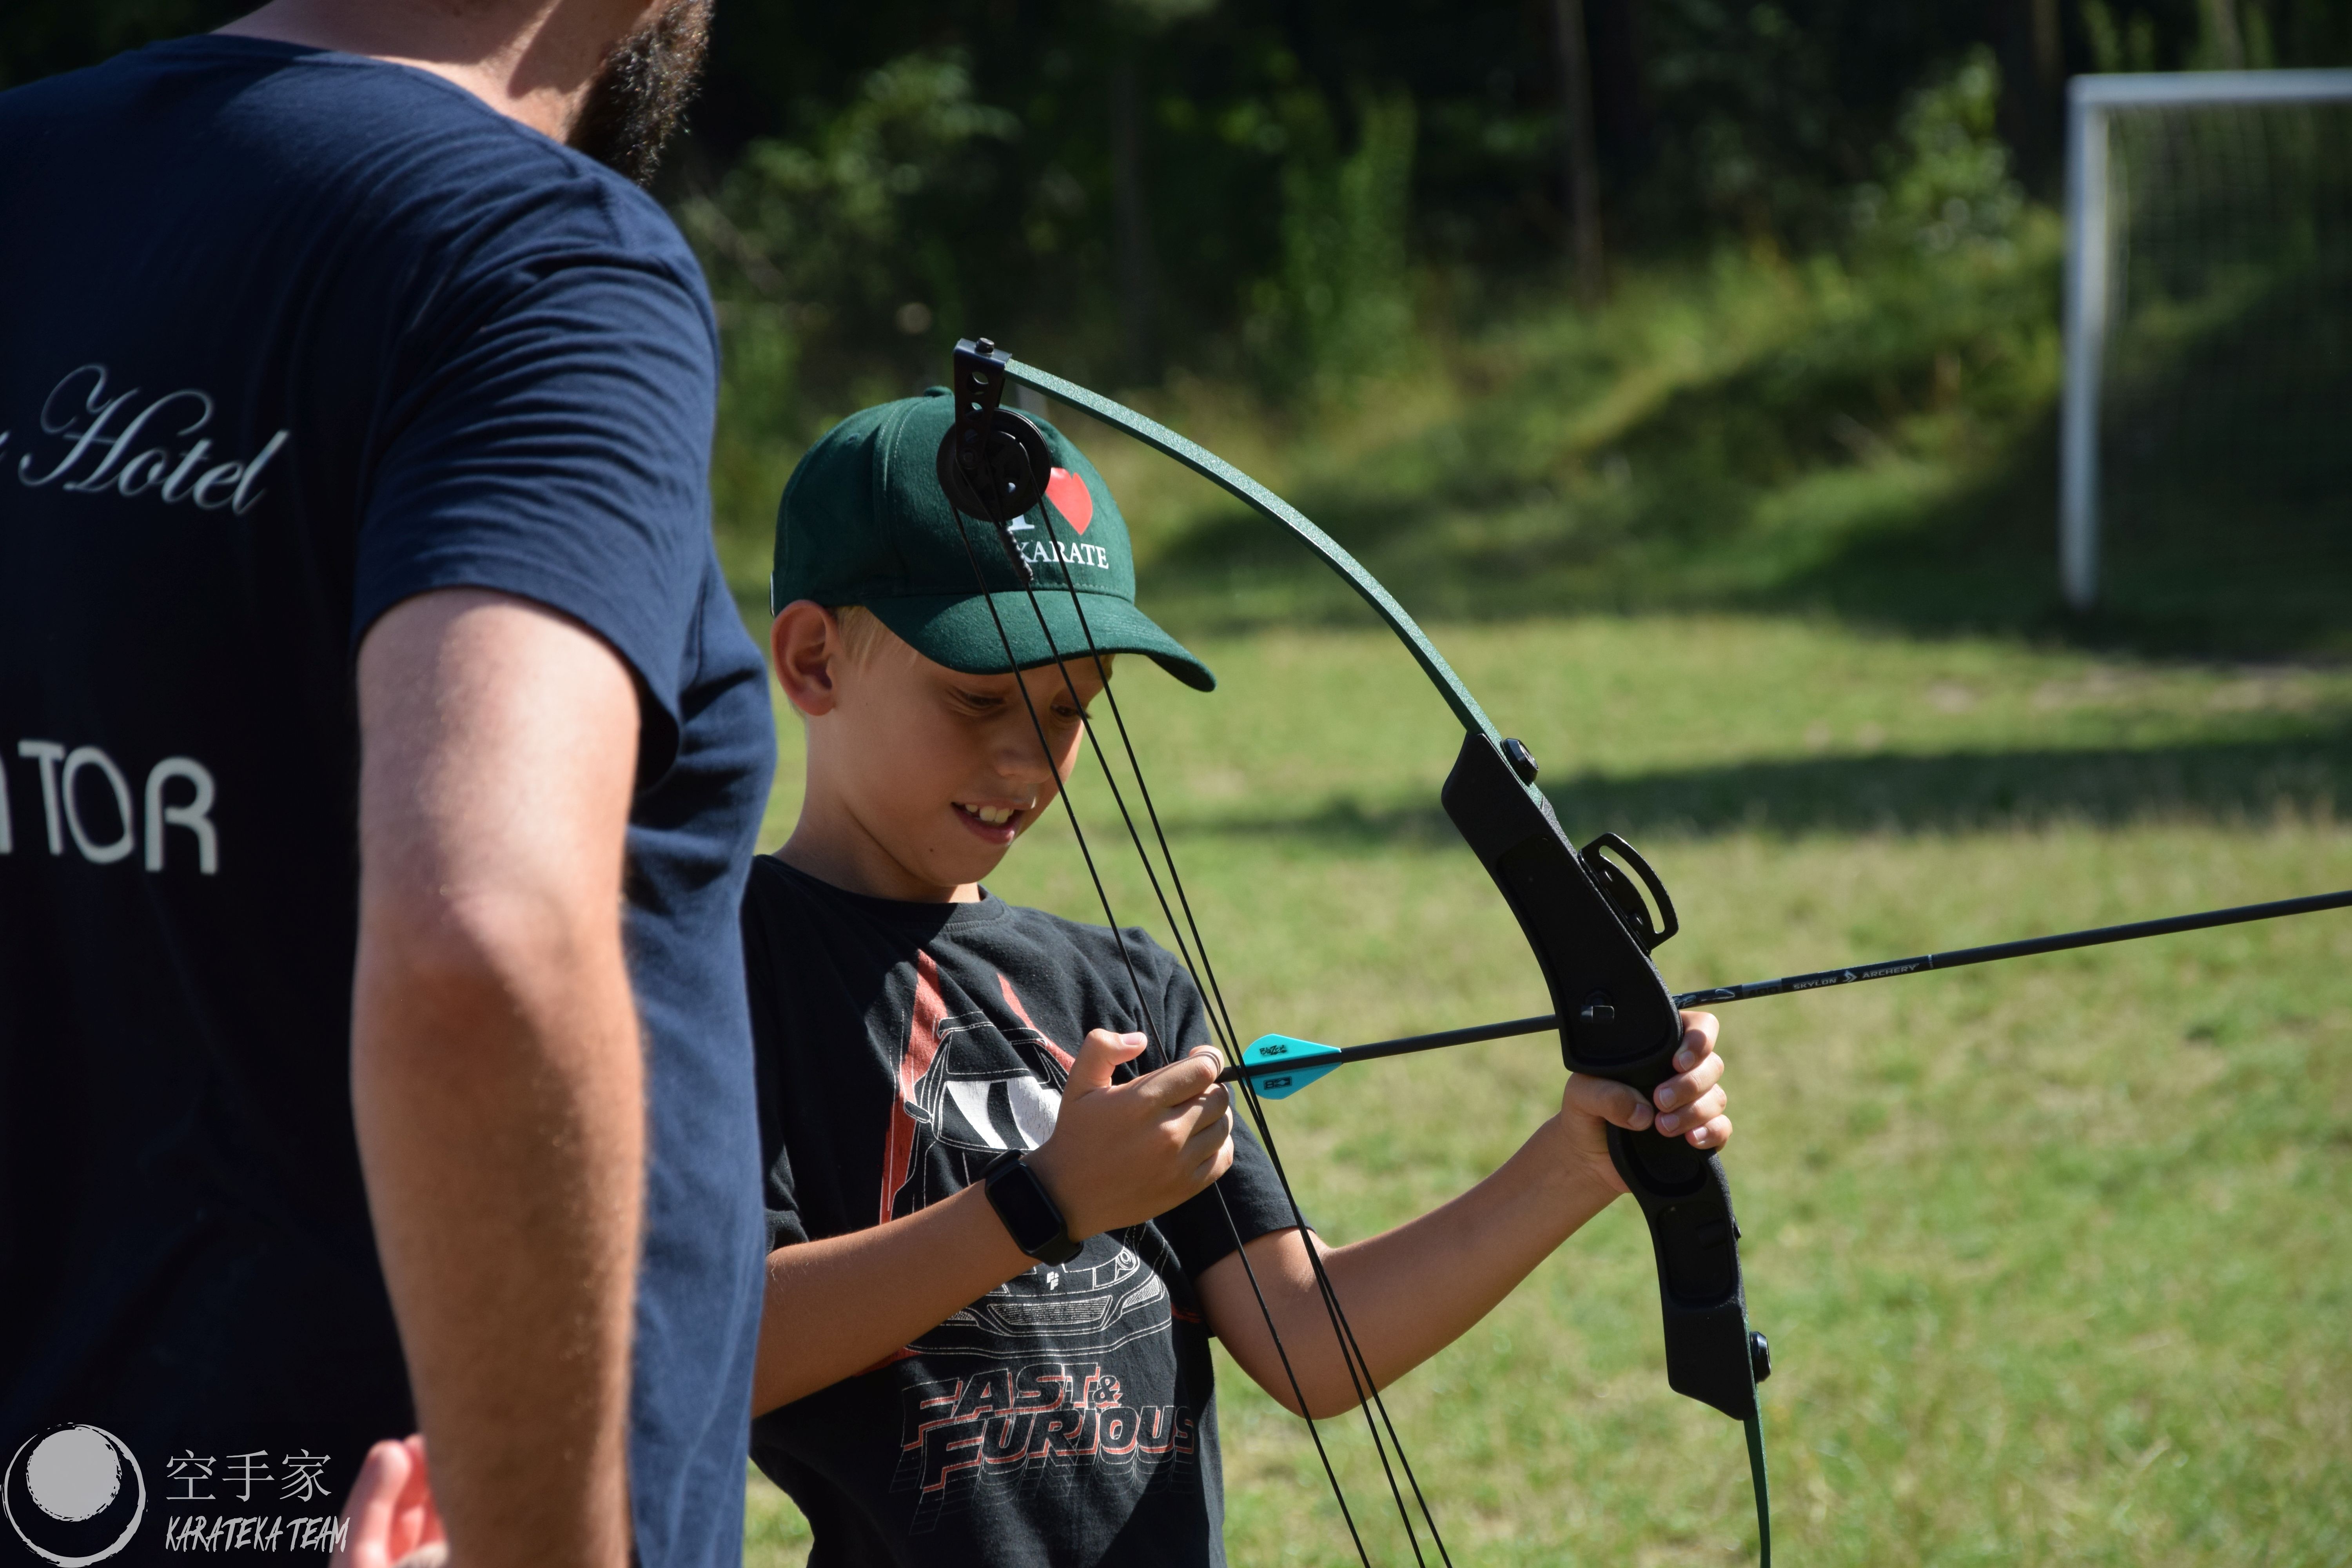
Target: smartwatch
column 1028, row 1210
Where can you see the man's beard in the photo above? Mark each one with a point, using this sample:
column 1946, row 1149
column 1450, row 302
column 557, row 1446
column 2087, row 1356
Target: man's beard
column 642, row 89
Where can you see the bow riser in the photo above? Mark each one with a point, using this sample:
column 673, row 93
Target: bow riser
column 1618, row 1022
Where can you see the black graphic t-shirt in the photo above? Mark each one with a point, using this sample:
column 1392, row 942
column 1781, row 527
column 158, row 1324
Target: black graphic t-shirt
column 286, row 337
column 1068, row 1416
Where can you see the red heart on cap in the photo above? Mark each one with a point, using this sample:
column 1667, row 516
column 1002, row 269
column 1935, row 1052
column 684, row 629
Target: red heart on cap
column 1070, row 498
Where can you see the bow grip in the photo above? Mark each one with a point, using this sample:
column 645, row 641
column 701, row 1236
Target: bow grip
column 1618, row 1021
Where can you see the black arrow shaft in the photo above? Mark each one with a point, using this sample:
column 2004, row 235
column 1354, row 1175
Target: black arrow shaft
column 1959, row 958
column 1852, row 974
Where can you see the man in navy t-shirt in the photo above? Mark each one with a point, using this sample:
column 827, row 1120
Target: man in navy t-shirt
column 379, row 756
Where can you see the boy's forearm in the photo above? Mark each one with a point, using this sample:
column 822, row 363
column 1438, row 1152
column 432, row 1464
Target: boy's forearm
column 838, row 1306
column 1410, row 1291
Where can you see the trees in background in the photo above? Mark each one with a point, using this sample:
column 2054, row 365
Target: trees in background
column 1140, row 185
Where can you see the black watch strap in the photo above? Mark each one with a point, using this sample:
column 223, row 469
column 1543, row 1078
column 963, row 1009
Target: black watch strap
column 1028, row 1210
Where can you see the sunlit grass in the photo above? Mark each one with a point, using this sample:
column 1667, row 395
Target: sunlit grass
column 2055, row 1255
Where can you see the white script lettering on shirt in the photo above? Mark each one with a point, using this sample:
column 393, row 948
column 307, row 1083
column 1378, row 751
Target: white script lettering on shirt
column 131, row 444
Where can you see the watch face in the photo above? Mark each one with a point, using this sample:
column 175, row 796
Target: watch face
column 1027, row 1210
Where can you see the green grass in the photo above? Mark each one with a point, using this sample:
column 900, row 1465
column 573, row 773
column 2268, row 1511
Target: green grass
column 2055, row 1255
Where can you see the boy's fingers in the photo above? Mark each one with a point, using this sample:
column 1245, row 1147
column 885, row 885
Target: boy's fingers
column 1217, row 1165
column 431, row 1548
column 1212, row 1107
column 1708, row 1106
column 1206, row 1113
column 1211, row 1125
column 1102, row 1053
column 1683, row 1087
column 1180, row 1082
column 1714, row 1135
column 1700, row 1031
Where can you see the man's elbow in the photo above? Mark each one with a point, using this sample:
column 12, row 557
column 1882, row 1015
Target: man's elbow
column 1323, row 1400
column 508, row 960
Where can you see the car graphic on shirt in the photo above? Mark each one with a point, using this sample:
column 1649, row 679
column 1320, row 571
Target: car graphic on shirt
column 1100, row 1300
column 990, row 1112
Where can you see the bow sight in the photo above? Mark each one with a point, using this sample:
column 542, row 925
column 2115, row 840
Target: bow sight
column 993, row 462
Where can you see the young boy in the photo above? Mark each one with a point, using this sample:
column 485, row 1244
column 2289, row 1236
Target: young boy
column 946, row 1080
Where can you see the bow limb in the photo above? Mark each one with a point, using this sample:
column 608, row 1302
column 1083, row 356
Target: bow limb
column 1259, row 499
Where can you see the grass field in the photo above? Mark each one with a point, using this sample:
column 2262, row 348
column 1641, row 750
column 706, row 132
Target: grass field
column 2055, row 1255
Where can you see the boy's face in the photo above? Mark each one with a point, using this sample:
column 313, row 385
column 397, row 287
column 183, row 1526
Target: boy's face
column 920, row 777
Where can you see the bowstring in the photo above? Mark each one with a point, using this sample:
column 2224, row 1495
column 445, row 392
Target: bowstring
column 1134, row 981
column 1367, row 1389
column 1149, row 1023
column 1229, row 1042
column 1368, row 1397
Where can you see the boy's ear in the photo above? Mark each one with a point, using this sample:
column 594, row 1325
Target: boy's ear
column 805, row 642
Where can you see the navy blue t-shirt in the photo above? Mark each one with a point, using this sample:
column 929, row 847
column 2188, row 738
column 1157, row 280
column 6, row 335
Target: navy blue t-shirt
column 286, row 337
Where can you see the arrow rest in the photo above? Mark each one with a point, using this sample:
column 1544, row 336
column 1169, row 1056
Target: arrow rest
column 1617, row 888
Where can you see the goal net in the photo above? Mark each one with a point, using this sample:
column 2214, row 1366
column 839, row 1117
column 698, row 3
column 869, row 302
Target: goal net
column 2208, row 336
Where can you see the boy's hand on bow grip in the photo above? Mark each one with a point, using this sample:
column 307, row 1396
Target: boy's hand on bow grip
column 1125, row 1153
column 1690, row 1105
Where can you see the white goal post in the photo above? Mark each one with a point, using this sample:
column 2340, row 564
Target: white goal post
column 2091, row 287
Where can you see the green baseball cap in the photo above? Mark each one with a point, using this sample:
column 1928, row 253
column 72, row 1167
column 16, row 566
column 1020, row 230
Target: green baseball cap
column 864, row 522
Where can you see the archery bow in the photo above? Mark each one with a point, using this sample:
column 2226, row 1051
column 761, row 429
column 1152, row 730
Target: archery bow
column 1590, row 933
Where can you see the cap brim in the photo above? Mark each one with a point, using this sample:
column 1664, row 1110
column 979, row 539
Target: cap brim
column 961, row 633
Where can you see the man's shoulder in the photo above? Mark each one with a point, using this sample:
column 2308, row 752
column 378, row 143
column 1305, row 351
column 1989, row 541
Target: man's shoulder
column 397, row 149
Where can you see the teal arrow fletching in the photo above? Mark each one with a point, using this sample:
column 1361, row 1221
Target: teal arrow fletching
column 1313, row 1061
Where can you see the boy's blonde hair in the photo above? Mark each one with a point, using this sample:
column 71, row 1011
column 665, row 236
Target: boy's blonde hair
column 863, row 636
column 863, row 633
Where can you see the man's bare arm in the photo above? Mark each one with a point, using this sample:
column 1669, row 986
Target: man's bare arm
column 496, row 1079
